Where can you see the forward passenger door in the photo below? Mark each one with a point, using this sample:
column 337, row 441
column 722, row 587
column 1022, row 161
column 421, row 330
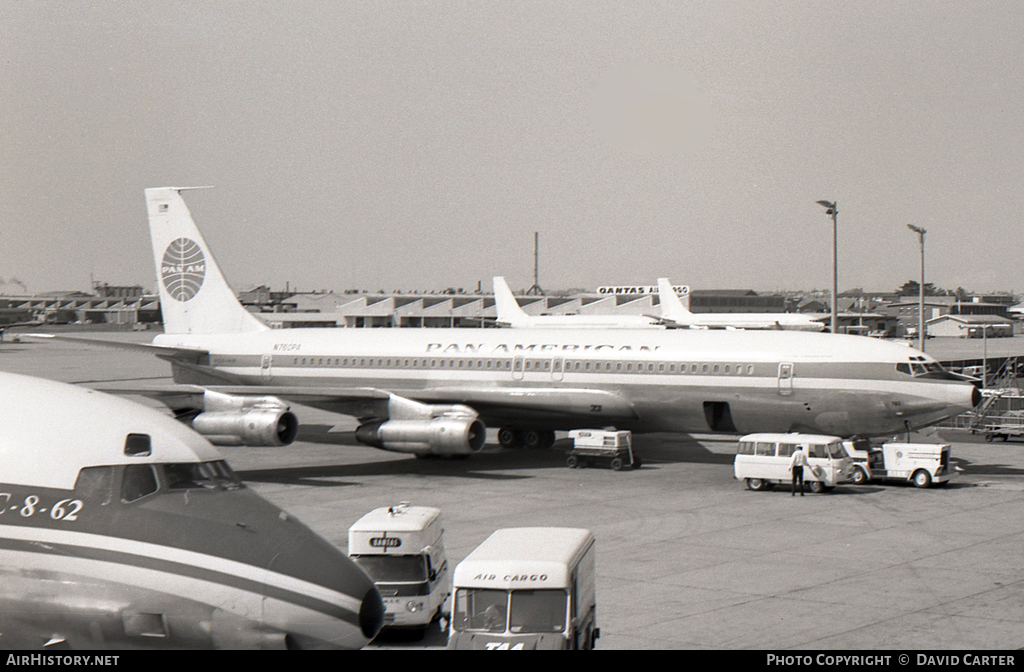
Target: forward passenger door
column 785, row 379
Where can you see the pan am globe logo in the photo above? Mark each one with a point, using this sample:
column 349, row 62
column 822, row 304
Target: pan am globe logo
column 183, row 269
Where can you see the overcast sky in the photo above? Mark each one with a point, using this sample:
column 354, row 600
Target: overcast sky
column 419, row 145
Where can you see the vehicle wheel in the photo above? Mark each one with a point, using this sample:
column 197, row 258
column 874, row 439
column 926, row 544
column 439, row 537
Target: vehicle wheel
column 818, row 487
column 532, row 439
column 616, row 464
column 989, row 437
column 572, row 462
column 509, row 437
column 756, row 484
column 922, row 478
column 860, row 477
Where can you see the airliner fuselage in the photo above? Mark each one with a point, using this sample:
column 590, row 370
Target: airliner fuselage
column 646, row 381
column 120, row 528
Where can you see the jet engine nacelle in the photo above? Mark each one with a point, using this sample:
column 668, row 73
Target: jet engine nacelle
column 256, row 427
column 445, row 435
column 230, row 420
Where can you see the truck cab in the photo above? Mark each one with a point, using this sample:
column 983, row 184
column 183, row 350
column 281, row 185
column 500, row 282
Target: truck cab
column 527, row 588
column 402, row 549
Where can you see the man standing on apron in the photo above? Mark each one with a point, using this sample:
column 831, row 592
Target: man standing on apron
column 796, row 465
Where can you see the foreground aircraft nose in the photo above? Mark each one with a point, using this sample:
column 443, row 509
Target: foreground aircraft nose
column 371, row 614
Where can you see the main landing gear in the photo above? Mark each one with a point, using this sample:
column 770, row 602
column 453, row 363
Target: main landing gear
column 510, row 437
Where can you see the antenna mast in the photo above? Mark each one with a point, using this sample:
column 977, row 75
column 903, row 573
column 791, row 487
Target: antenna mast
column 535, row 289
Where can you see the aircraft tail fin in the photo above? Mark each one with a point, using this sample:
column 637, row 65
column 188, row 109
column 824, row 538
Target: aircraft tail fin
column 673, row 308
column 505, row 304
column 194, row 296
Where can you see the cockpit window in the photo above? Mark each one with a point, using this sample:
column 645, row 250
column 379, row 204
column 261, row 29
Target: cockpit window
column 139, row 480
column 924, row 369
column 137, row 445
column 95, row 484
column 191, row 475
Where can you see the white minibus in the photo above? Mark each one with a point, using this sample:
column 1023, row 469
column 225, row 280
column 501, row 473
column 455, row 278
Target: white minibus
column 762, row 460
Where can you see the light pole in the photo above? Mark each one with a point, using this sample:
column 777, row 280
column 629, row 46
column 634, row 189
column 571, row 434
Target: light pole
column 920, row 302
column 833, row 209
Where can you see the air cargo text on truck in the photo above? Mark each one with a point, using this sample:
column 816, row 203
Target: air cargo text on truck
column 527, row 588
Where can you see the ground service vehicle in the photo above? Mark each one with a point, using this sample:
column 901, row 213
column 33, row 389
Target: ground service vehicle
column 597, row 446
column 402, row 549
column 762, row 460
column 527, row 588
column 920, row 463
column 1004, row 426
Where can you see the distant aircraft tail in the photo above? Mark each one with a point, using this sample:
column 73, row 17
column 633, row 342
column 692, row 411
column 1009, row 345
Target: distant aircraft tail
column 673, row 308
column 194, row 297
column 505, row 304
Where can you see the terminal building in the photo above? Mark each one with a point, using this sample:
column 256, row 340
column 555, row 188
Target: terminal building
column 108, row 304
column 859, row 313
column 328, row 309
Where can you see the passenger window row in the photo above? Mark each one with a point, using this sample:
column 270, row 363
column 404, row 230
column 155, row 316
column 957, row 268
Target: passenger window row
column 404, row 363
column 768, row 449
column 574, row 366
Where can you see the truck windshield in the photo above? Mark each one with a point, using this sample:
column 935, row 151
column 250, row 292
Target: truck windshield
column 480, row 609
column 537, row 611
column 393, row 568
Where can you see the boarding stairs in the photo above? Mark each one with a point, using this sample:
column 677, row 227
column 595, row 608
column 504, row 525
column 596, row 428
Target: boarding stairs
column 992, row 410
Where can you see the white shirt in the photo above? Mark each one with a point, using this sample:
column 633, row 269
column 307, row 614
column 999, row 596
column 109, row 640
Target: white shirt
column 799, row 459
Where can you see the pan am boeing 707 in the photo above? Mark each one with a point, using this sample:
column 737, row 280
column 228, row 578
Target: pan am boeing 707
column 433, row 391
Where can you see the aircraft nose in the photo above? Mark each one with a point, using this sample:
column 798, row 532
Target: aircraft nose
column 371, row 613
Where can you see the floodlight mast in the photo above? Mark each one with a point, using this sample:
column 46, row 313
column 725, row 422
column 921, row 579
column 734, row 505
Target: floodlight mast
column 920, row 294
column 832, row 208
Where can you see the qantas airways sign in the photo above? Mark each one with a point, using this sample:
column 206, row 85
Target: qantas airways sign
column 183, row 269
column 681, row 290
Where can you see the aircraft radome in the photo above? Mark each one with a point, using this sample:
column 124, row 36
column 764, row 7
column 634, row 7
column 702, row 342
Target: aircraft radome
column 431, row 391
column 120, row 528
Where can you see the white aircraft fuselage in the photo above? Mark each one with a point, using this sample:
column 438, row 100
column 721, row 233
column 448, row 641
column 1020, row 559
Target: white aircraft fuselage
column 678, row 380
column 120, row 528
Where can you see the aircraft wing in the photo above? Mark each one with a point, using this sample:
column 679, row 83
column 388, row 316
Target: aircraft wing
column 495, row 404
column 192, row 355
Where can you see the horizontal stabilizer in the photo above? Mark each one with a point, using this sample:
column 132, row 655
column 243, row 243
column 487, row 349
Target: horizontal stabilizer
column 164, row 351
